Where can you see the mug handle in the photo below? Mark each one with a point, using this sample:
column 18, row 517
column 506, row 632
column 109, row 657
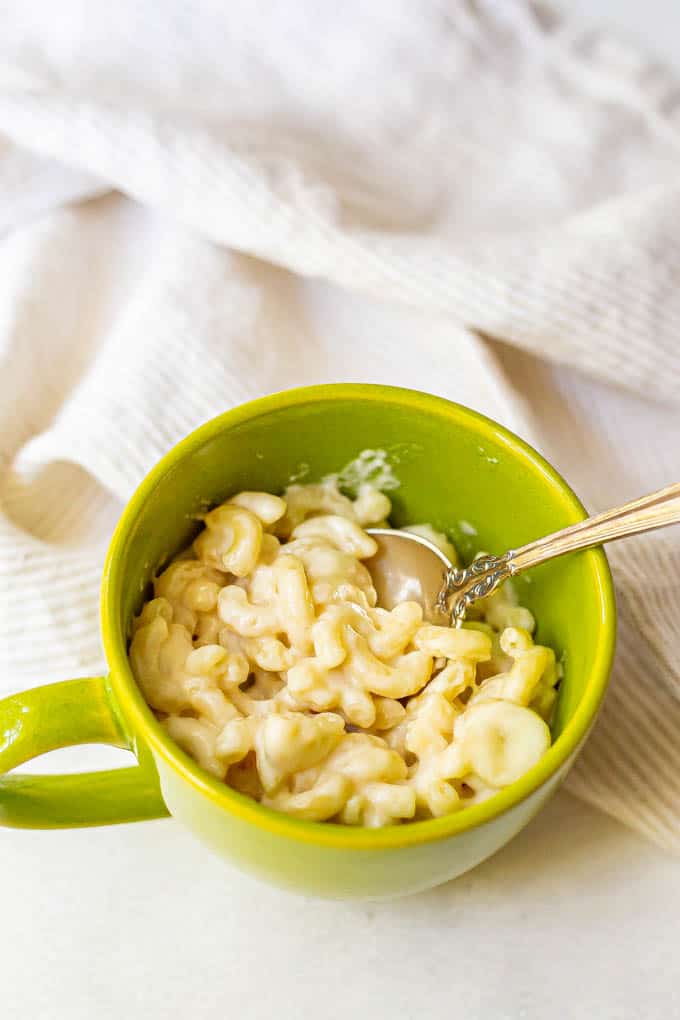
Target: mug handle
column 58, row 715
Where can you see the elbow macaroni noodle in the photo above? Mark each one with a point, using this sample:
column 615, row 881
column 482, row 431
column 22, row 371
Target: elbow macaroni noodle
column 266, row 658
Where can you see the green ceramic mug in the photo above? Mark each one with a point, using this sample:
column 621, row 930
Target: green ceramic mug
column 456, row 468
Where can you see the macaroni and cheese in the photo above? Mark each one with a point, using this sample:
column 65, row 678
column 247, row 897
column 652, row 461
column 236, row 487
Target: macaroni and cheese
column 267, row 659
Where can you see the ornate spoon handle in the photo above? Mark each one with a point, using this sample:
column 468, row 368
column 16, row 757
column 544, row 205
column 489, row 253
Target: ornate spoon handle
column 486, row 573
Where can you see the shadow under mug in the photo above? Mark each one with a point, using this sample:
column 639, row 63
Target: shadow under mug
column 458, row 470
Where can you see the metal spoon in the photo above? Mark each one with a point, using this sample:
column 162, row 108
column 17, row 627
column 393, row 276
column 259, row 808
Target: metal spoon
column 407, row 566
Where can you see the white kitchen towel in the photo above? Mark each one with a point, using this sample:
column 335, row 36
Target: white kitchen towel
column 203, row 202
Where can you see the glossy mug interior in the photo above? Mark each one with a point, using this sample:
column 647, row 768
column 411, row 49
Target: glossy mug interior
column 455, row 467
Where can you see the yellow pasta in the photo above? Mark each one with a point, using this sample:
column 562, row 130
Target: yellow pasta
column 267, row 660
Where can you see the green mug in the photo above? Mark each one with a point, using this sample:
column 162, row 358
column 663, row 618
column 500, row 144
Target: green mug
column 458, row 470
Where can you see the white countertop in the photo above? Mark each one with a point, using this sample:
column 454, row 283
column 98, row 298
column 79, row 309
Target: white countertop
column 577, row 918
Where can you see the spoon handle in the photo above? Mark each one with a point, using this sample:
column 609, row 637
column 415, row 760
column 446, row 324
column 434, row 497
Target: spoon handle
column 486, row 573
column 657, row 510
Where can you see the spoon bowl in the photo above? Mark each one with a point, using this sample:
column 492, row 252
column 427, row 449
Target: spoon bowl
column 408, row 567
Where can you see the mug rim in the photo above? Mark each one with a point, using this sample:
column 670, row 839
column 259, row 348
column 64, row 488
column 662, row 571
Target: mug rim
column 131, row 705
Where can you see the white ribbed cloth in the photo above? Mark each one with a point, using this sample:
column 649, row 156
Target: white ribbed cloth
column 211, row 202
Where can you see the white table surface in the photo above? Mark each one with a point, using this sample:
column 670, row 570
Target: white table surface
column 577, row 918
